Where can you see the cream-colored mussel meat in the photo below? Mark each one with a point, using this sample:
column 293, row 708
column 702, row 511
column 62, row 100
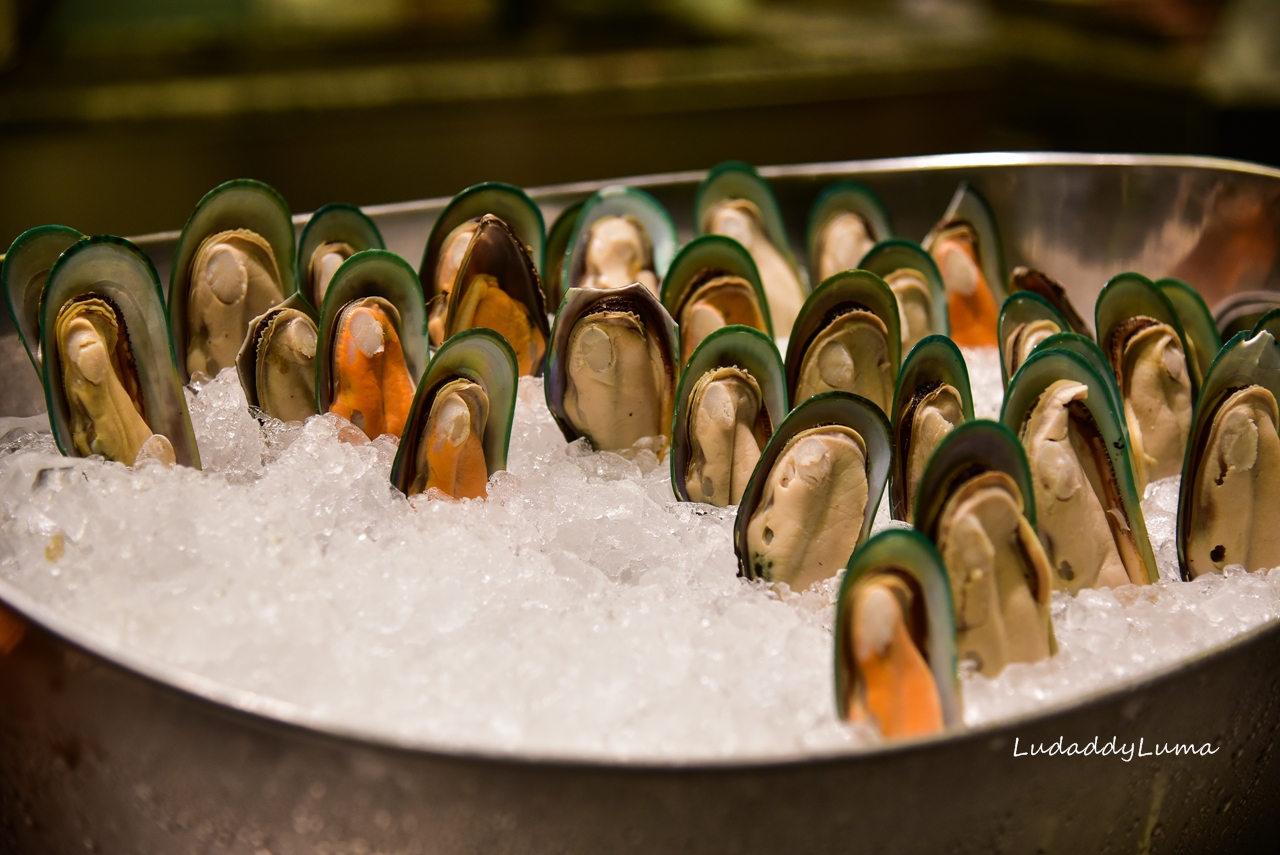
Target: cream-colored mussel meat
column 453, row 251
column 915, row 305
column 1022, row 340
column 850, row 354
column 284, row 368
column 1154, row 382
column 728, row 427
column 619, row 252
column 843, row 242
column 324, row 262
column 934, row 414
column 718, row 302
column 741, row 220
column 234, row 278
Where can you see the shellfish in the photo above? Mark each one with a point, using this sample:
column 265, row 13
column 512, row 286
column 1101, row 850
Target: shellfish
column 1202, row 337
column 966, row 245
column 558, row 237
column 713, row 283
column 914, row 279
column 846, row 221
column 1052, row 292
column 622, row 235
column 26, row 270
column 1026, row 319
column 277, row 362
column 334, row 233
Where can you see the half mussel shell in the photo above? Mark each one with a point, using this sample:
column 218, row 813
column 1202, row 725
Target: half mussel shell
column 334, row 233
column 1026, row 319
column 713, row 283
column 846, row 221
column 277, row 362
column 622, row 235
column 966, row 246
column 1050, row 290
column 26, row 269
column 1202, row 336
column 557, row 248
column 910, row 273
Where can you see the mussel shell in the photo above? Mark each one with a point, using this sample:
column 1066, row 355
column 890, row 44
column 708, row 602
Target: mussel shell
column 897, row 254
column 336, row 222
column 509, row 204
column 1129, row 295
column 618, row 200
column 731, row 346
column 483, row 357
column 117, row 270
column 704, row 258
column 23, row 276
column 737, row 180
column 972, row 448
column 936, row 359
column 1038, row 283
column 1197, row 323
column 845, row 196
column 495, row 251
column 1048, row 365
column 1248, row 359
column 372, row 273
column 908, row 552
column 581, row 302
column 968, row 205
column 1243, row 310
column 1023, row 307
column 1088, row 350
column 558, row 237
column 852, row 287
column 247, row 358
column 238, row 204
column 829, row 408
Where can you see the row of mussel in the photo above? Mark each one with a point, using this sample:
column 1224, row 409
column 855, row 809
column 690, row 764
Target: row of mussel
column 673, row 348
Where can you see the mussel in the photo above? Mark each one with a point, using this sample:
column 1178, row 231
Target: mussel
column 451, row 238
column 814, row 492
column 1052, row 292
column 732, row 395
column 26, row 269
column 1141, row 335
column 1202, row 336
column 895, row 638
column 976, row 505
column 735, row 201
column 458, row 432
column 233, row 261
column 916, row 284
column 1229, row 503
column 1026, row 319
column 1241, row 311
column 334, row 233
column 846, row 221
column 932, row 397
column 110, row 378
column 846, row 338
column 622, row 235
column 558, row 237
column 612, row 367
column 373, row 344
column 966, row 245
column 713, row 283
column 277, row 362
column 1089, row 512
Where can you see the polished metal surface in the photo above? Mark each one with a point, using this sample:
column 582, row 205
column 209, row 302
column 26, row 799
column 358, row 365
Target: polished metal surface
column 105, row 750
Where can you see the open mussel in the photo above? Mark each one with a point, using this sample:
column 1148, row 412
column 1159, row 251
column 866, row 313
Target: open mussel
column 732, row 395
column 1230, row 498
column 110, row 379
column 814, row 492
column 914, row 279
column 612, row 367
column 895, row 638
column 277, row 362
column 846, row 338
column 622, row 235
column 373, row 344
column 976, row 505
column 558, row 237
column 846, row 221
column 713, row 283
column 932, row 397
column 1051, row 291
column 233, row 261
column 26, row 269
column 966, row 245
column 333, row 234
column 735, row 201
column 1088, row 509
column 458, row 432
column 1202, row 336
column 1139, row 331
column 1026, row 319
column 451, row 238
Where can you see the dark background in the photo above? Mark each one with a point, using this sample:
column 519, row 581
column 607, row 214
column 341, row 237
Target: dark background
column 117, row 117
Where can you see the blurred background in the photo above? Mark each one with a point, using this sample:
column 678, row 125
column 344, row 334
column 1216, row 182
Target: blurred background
column 116, row 117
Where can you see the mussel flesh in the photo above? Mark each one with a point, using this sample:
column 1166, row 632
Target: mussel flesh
column 1151, row 372
column 372, row 385
column 324, row 262
column 450, row 455
column 277, row 364
column 728, row 427
column 452, row 253
column 618, row 253
column 842, row 242
column 741, row 220
column 970, row 303
column 234, row 278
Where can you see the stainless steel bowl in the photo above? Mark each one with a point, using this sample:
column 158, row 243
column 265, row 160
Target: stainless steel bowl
column 104, row 750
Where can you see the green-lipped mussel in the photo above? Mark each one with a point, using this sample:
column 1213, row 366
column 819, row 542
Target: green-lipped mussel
column 895, row 638
column 1141, row 335
column 612, row 367
column 233, row 262
column 1230, row 498
column 845, row 222
column 913, row 277
column 1201, row 334
column 966, row 246
column 558, row 237
column 277, row 362
column 814, row 492
column 1026, row 319
column 373, row 343
column 334, row 233
column 732, row 395
column 932, row 397
column 111, row 382
column 1242, row 311
column 459, row 429
column 26, row 269
column 1052, row 292
column 451, row 238
column 976, row 505
column 1089, row 512
column 846, row 338
column 713, row 283
column 736, row 202
column 622, row 235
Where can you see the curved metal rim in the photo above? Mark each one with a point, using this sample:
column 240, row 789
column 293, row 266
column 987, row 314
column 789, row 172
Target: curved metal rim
column 275, row 713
